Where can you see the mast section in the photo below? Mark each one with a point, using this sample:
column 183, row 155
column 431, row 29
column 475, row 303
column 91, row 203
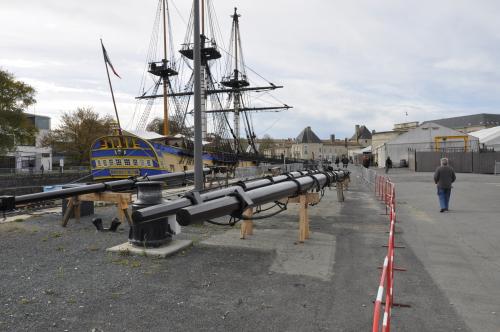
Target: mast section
column 166, row 127
column 237, row 95
column 163, row 71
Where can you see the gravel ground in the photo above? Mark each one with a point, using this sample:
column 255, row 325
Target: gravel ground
column 55, row 279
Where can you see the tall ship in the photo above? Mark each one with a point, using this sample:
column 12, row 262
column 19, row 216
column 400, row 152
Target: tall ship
column 165, row 144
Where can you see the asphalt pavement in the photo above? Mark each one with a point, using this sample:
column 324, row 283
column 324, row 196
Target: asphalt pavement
column 55, row 279
column 460, row 249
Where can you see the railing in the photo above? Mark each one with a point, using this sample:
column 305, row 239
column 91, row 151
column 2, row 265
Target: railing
column 368, row 175
column 55, row 170
column 385, row 191
column 262, row 170
column 386, row 282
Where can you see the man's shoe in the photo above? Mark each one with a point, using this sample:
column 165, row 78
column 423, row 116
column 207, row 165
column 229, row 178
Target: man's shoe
column 442, row 210
column 446, row 209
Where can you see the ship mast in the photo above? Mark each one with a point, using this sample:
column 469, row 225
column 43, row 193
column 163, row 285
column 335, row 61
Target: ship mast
column 237, row 82
column 237, row 95
column 163, row 71
column 166, row 127
column 234, row 83
column 209, row 52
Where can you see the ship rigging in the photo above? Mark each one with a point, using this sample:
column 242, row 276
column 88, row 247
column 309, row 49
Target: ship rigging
column 226, row 102
column 225, row 97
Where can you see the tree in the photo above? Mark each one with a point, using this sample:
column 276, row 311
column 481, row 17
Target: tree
column 76, row 133
column 176, row 127
column 267, row 143
column 15, row 97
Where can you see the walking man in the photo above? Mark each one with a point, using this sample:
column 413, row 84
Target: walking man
column 345, row 161
column 444, row 177
column 388, row 164
column 366, row 162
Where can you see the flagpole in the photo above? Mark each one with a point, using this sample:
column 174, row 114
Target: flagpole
column 111, row 88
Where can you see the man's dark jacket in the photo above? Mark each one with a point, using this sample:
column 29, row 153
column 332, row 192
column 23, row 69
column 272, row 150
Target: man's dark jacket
column 444, row 177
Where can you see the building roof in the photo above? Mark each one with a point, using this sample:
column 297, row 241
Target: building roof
column 482, row 119
column 426, row 133
column 339, row 143
column 489, row 136
column 308, row 136
column 364, row 133
column 29, row 115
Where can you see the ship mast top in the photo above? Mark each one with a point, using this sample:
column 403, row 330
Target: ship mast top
column 238, row 79
column 163, row 70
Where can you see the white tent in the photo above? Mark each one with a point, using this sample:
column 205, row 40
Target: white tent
column 422, row 138
column 490, row 137
column 367, row 149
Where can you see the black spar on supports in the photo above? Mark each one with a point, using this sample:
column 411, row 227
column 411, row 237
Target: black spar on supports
column 231, row 201
column 162, row 210
column 10, row 202
column 234, row 205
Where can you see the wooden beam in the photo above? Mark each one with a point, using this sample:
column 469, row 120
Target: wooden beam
column 67, row 214
column 246, row 225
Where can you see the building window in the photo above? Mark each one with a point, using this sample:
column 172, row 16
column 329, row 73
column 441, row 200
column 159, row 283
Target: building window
column 104, row 163
column 45, row 155
column 98, row 163
column 127, row 162
column 142, row 162
column 118, row 162
column 111, row 162
column 134, row 162
column 148, row 162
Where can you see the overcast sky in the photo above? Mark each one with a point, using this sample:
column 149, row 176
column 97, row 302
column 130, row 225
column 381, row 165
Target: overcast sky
column 342, row 62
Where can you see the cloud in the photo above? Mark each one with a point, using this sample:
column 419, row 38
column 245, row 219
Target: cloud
column 342, row 62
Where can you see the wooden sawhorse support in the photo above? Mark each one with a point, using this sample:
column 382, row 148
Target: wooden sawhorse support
column 122, row 201
column 303, row 200
column 247, row 225
column 341, row 187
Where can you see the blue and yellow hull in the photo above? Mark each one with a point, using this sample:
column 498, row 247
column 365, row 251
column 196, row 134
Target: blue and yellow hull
column 119, row 157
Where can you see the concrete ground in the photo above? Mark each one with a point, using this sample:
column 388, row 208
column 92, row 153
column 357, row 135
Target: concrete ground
column 461, row 248
column 55, row 279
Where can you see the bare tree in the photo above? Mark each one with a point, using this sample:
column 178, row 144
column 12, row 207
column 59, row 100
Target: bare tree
column 76, row 133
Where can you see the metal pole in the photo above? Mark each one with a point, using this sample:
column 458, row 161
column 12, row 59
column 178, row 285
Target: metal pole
column 166, row 126
column 198, row 161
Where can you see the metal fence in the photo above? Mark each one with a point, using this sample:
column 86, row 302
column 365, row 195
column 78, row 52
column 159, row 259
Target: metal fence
column 462, row 162
column 368, row 175
column 55, row 170
column 262, row 170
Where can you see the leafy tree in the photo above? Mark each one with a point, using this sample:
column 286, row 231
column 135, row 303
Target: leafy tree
column 15, row 97
column 76, row 133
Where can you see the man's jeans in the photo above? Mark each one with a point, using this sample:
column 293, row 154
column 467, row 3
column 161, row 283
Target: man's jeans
column 444, row 197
